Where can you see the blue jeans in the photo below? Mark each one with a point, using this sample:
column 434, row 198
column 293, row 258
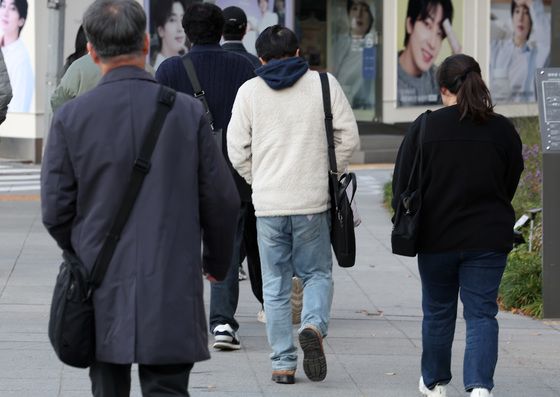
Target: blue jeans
column 299, row 245
column 476, row 277
column 224, row 295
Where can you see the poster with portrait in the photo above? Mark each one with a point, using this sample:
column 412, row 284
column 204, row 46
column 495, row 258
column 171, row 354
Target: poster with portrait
column 13, row 39
column 519, row 45
column 427, row 33
column 354, row 51
column 167, row 36
column 260, row 15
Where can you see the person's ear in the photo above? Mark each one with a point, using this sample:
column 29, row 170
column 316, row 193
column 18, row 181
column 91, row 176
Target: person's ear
column 21, row 22
column 409, row 25
column 93, row 53
column 146, row 48
column 263, row 62
column 444, row 91
column 297, row 52
column 160, row 31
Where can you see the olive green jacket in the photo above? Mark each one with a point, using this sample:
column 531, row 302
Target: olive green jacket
column 5, row 89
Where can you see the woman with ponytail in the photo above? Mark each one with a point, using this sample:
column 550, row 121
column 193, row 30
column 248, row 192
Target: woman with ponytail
column 471, row 164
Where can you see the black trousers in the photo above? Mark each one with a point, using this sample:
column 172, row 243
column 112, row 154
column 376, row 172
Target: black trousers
column 113, row 380
column 250, row 248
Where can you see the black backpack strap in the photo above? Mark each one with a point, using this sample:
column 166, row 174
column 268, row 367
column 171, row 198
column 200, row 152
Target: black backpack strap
column 198, row 91
column 141, row 168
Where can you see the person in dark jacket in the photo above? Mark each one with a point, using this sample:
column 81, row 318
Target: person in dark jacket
column 471, row 167
column 220, row 74
column 235, row 27
column 149, row 308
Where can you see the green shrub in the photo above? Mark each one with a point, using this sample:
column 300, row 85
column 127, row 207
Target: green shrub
column 521, row 287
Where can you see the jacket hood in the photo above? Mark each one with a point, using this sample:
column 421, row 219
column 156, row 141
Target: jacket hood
column 282, row 73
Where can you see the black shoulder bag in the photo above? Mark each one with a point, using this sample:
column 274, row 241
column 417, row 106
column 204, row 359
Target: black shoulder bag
column 72, row 322
column 343, row 239
column 404, row 237
column 201, row 95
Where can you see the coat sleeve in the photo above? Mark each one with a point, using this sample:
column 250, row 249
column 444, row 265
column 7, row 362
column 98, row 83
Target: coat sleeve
column 219, row 204
column 516, row 165
column 58, row 187
column 404, row 162
column 239, row 136
column 346, row 138
column 5, row 89
column 67, row 89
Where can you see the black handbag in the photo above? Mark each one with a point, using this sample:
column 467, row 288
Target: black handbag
column 201, row 96
column 404, row 236
column 343, row 239
column 72, row 321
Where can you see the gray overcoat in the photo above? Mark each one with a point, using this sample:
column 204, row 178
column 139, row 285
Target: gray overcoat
column 149, row 308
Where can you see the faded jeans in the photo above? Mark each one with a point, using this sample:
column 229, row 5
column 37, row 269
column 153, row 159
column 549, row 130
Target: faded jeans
column 476, row 277
column 299, row 245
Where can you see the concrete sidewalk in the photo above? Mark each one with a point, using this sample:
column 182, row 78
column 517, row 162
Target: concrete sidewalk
column 373, row 347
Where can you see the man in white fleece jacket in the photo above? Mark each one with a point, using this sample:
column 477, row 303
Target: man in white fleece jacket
column 277, row 142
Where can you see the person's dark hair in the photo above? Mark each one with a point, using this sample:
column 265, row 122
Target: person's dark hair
column 276, row 42
column 419, row 10
column 203, row 23
column 80, row 48
column 349, row 5
column 513, row 5
column 461, row 75
column 115, row 27
column 21, row 6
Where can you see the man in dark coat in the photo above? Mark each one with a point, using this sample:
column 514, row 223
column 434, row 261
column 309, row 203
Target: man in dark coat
column 149, row 308
column 235, row 26
column 220, row 73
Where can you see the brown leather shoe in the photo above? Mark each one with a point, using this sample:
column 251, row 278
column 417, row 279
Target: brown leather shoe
column 314, row 361
column 285, row 376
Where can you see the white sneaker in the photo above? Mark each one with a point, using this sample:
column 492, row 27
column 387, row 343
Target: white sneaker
column 225, row 338
column 480, row 392
column 438, row 391
column 261, row 316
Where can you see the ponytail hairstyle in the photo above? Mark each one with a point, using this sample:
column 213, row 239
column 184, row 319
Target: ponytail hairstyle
column 461, row 75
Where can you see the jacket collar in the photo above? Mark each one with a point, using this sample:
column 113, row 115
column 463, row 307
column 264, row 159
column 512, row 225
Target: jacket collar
column 126, row 73
column 205, row 47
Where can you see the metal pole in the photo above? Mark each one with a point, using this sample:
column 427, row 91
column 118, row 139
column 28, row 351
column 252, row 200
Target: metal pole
column 55, row 48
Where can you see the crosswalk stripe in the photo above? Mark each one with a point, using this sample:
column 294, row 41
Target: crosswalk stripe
column 19, row 188
column 18, row 177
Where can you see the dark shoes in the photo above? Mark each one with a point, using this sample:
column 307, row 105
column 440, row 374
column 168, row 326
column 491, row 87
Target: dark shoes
column 314, row 361
column 286, row 376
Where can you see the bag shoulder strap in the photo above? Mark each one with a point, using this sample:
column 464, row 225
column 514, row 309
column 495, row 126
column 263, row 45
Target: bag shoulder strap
column 333, row 172
column 166, row 99
column 198, row 91
column 418, row 156
column 328, row 122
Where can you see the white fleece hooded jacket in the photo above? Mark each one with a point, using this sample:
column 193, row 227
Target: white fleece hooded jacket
column 276, row 138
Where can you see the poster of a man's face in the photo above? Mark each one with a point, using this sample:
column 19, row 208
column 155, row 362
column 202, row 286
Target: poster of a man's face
column 167, row 35
column 13, row 16
column 354, row 52
column 520, row 44
column 426, row 25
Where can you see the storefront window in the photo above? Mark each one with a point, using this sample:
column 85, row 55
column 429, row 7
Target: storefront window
column 354, row 51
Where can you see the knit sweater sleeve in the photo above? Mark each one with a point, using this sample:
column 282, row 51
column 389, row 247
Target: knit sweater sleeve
column 239, row 133
column 346, row 138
